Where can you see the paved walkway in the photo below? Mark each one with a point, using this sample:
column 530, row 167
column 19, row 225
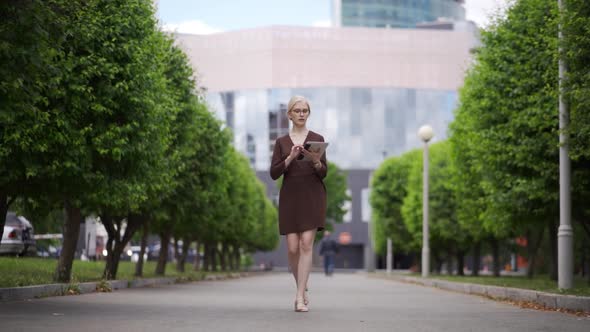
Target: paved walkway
column 345, row 302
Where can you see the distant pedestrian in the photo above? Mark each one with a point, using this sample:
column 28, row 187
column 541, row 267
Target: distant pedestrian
column 328, row 249
column 302, row 200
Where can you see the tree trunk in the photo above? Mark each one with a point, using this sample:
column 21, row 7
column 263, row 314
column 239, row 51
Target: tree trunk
column 223, row 257
column 116, row 243
column 496, row 256
column 206, row 256
column 584, row 225
column 163, row 257
column 552, row 232
column 4, row 205
column 586, row 262
column 530, row 253
column 176, row 251
column 532, row 247
column 182, row 257
column 144, row 237
column 197, row 263
column 71, row 231
column 115, row 258
column 437, row 263
column 460, row 262
column 583, row 261
column 214, row 257
column 237, row 258
column 109, row 226
column 450, row 262
column 476, row 260
column 230, row 258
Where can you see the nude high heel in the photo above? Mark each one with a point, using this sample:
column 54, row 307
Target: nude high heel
column 300, row 306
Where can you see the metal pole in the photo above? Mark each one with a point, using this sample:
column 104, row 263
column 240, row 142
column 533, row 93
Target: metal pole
column 565, row 234
column 389, row 255
column 425, row 246
column 370, row 247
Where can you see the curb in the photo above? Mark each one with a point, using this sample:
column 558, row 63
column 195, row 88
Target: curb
column 547, row 300
column 39, row 291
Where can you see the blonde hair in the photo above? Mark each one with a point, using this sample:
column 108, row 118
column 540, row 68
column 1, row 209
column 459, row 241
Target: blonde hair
column 294, row 100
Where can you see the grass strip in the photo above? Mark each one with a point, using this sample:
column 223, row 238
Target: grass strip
column 540, row 283
column 27, row 271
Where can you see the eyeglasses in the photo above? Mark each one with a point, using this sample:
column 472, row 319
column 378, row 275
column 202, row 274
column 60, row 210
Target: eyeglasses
column 300, row 111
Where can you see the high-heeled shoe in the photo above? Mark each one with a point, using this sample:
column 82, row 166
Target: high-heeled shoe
column 306, row 297
column 300, row 306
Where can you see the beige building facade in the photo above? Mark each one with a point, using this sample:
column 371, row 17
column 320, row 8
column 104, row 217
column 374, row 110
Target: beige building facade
column 293, row 57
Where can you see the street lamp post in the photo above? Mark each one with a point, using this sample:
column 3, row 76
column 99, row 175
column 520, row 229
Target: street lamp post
column 565, row 233
column 426, row 133
column 389, row 256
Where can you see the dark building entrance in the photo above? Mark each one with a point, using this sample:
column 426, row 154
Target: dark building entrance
column 400, row 261
column 350, row 257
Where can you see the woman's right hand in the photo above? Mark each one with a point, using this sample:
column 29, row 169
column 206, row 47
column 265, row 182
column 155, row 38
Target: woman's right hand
column 295, row 152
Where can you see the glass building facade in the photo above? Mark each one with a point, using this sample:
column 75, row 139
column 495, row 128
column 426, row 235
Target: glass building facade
column 363, row 125
column 396, row 13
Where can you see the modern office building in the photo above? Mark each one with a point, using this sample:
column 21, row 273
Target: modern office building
column 402, row 14
column 369, row 89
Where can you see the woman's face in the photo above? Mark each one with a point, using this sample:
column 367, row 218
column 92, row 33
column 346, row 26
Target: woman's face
column 299, row 113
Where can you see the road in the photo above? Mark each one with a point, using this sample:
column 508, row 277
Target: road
column 344, row 302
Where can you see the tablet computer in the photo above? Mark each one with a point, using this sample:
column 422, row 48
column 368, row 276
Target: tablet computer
column 314, row 146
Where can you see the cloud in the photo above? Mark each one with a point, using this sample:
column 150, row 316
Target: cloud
column 322, row 23
column 195, row 27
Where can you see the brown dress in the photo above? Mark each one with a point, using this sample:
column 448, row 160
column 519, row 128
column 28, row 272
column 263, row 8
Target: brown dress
column 302, row 199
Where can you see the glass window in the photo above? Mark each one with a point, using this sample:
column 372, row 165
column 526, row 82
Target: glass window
column 251, row 149
column 398, row 13
column 359, row 123
column 348, row 206
column 365, row 206
column 360, row 100
column 227, row 99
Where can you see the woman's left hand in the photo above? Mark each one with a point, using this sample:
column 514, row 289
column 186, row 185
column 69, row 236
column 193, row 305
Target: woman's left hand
column 314, row 156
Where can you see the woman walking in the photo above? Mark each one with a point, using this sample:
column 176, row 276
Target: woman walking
column 302, row 199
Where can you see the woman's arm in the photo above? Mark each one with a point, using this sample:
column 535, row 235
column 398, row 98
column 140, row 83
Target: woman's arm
column 278, row 166
column 321, row 167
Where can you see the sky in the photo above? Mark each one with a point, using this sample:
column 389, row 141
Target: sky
column 207, row 16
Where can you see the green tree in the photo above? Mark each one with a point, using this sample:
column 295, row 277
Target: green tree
column 336, row 184
column 115, row 90
column 201, row 199
column 389, row 187
column 505, row 134
column 252, row 228
column 514, row 124
column 576, row 30
column 93, row 121
column 28, row 74
column 447, row 237
column 198, row 148
column 466, row 152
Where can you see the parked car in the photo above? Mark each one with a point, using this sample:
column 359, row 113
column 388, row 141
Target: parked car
column 134, row 252
column 18, row 237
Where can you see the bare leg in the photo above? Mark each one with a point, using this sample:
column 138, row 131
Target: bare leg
column 305, row 257
column 293, row 253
